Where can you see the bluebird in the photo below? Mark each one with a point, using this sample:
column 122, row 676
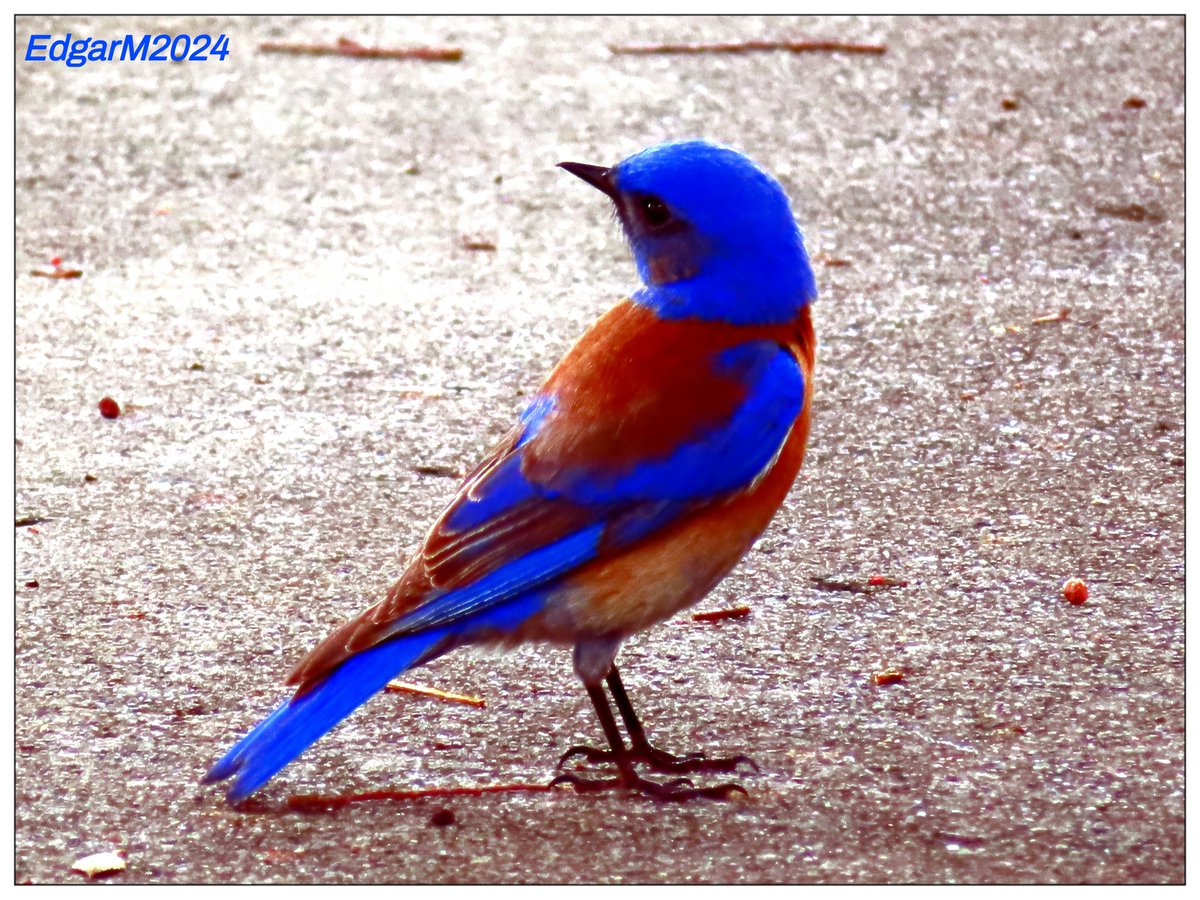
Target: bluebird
column 655, row 454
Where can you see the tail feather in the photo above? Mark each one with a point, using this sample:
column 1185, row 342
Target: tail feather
column 299, row 721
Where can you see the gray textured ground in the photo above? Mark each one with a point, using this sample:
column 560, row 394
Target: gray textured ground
column 294, row 226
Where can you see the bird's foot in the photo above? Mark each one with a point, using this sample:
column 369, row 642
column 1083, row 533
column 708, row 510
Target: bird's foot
column 678, row 790
column 660, row 760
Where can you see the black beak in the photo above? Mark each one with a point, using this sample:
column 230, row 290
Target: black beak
column 597, row 176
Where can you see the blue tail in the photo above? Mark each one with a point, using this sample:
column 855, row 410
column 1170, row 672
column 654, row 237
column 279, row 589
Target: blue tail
column 300, row 721
column 297, row 723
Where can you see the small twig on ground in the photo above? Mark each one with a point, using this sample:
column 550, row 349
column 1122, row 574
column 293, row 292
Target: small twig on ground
column 477, row 243
column 890, row 675
column 832, row 262
column 1132, row 212
column 58, row 271
column 438, row 471
column 752, row 46
column 718, row 615
column 1061, row 316
column 835, row 584
column 404, row 687
column 871, row 585
column 347, row 47
column 317, row 803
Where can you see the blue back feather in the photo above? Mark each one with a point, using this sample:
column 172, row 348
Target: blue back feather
column 726, row 459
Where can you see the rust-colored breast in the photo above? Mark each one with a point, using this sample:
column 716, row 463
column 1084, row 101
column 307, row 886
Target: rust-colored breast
column 674, row 568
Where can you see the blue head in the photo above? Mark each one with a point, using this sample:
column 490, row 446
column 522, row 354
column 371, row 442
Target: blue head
column 712, row 233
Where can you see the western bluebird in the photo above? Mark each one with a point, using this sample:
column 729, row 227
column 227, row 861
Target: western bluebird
column 655, row 454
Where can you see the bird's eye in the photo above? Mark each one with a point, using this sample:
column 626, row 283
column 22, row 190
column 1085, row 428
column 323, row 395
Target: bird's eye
column 654, row 212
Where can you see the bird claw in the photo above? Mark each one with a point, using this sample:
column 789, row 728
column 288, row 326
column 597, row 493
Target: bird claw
column 661, row 760
column 735, row 761
column 587, row 785
column 591, row 754
column 677, row 790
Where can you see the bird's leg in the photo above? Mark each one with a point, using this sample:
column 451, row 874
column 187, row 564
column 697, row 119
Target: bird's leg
column 642, row 750
column 679, row 789
column 612, row 734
